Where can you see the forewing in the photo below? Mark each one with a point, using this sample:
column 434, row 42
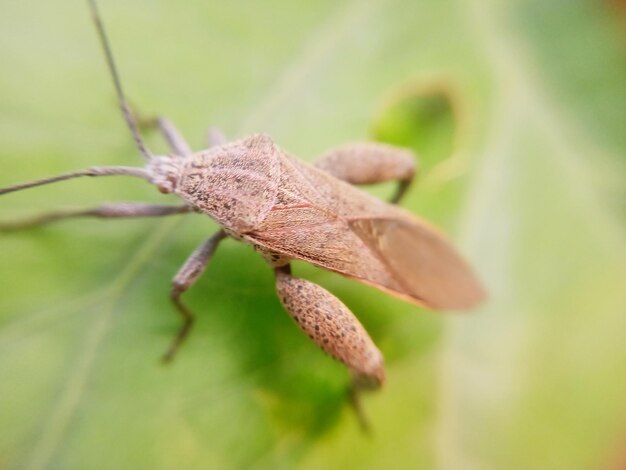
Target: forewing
column 328, row 243
column 235, row 183
column 333, row 225
column 402, row 256
column 422, row 261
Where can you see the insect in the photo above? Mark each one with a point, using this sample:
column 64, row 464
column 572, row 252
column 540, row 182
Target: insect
column 287, row 209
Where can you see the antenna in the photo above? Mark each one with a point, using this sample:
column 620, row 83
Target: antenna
column 128, row 115
column 93, row 171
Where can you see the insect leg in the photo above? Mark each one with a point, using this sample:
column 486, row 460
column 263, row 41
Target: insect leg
column 215, row 137
column 187, row 275
column 330, row 325
column 370, row 162
column 104, row 211
column 175, row 140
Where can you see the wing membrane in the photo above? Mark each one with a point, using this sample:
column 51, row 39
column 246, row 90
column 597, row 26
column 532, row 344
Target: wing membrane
column 402, row 256
column 335, row 226
column 422, row 261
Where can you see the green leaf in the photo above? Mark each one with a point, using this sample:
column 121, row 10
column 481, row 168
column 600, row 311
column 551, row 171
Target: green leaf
column 524, row 167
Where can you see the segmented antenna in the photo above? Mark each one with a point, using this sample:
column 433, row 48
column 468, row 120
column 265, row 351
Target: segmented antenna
column 128, row 115
column 93, row 171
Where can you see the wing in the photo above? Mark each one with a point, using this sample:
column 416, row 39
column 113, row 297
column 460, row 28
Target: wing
column 420, row 259
column 335, row 226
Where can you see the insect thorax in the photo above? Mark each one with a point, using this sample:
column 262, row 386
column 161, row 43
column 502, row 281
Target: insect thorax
column 235, row 183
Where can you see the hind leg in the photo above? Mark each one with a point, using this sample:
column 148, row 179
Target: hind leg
column 335, row 329
column 371, row 162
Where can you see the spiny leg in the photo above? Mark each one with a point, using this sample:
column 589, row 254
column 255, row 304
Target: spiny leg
column 370, row 162
column 335, row 329
column 184, row 279
column 104, row 211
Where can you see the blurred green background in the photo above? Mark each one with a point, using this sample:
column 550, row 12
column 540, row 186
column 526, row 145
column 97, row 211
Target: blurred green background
column 518, row 110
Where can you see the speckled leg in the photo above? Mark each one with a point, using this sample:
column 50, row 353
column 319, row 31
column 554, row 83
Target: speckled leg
column 104, row 211
column 371, row 162
column 334, row 328
column 184, row 279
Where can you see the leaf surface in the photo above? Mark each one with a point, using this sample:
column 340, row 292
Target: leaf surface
column 532, row 193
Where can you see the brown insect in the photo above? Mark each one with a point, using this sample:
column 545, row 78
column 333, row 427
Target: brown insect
column 287, row 209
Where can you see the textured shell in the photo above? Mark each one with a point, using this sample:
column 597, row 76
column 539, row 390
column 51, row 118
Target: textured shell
column 285, row 206
column 235, row 183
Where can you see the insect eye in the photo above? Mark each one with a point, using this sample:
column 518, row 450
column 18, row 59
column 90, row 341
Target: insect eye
column 167, row 184
column 164, row 173
column 164, row 188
